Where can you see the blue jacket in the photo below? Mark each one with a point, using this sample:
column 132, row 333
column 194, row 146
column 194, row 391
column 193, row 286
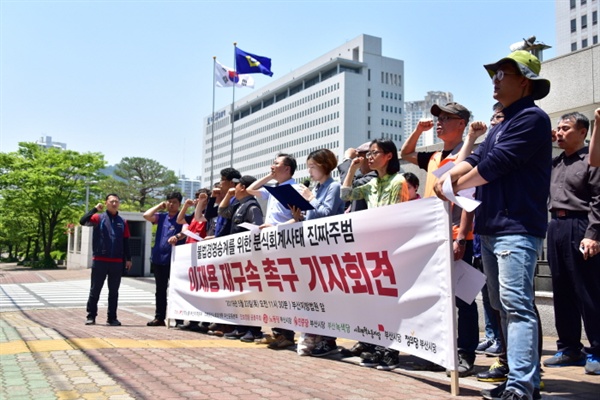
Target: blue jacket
column 516, row 160
column 165, row 228
column 110, row 241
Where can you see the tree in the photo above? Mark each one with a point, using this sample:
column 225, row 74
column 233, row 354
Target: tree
column 145, row 181
column 47, row 185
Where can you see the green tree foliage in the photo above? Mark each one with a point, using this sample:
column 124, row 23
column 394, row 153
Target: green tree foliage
column 145, row 181
column 47, row 186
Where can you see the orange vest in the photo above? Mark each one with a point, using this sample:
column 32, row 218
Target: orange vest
column 436, row 162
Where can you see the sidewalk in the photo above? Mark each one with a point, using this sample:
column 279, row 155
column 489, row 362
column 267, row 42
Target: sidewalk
column 51, row 354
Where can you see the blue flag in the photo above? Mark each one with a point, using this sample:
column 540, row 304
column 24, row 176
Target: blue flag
column 246, row 63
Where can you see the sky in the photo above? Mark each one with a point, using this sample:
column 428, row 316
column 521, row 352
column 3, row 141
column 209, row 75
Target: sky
column 130, row 78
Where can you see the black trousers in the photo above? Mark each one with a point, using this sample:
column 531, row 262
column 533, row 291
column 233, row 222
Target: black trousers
column 161, row 278
column 576, row 285
column 100, row 271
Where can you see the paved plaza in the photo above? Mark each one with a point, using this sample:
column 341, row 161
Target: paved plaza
column 47, row 352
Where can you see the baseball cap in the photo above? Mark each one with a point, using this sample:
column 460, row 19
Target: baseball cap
column 363, row 148
column 245, row 180
column 530, row 68
column 452, row 108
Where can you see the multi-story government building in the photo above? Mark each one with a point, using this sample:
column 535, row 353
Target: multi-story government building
column 415, row 110
column 577, row 25
column 342, row 99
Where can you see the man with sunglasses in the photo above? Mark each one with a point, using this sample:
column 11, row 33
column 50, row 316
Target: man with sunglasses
column 511, row 170
column 452, row 120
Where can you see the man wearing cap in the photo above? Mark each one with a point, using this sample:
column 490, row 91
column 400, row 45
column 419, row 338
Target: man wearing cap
column 452, row 119
column 366, row 174
column 511, row 170
column 573, row 247
column 245, row 209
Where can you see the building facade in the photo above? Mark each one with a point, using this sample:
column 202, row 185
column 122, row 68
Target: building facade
column 415, row 110
column 188, row 186
column 344, row 98
column 46, row 141
column 576, row 25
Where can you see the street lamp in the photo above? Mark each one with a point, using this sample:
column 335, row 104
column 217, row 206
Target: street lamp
column 87, row 194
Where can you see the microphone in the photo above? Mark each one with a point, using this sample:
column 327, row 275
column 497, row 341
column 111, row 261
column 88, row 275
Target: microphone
column 307, row 183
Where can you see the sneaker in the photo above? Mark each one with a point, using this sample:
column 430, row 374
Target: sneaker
column 494, row 350
column 497, row 393
column 90, row 321
column 389, row 361
column 592, row 365
column 234, row 335
column 113, row 322
column 280, row 343
column 465, row 366
column 324, row 348
column 562, row 359
column 497, row 373
column 483, row 345
column 372, row 358
column 511, row 395
column 357, row 349
column 196, row 327
column 251, row 337
column 156, row 322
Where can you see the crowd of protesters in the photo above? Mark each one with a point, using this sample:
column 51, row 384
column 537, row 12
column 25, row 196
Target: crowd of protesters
column 518, row 183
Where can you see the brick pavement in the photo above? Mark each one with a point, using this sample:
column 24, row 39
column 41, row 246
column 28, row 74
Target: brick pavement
column 51, row 354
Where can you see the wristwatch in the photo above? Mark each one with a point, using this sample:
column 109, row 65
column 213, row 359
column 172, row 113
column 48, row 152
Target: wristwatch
column 461, row 242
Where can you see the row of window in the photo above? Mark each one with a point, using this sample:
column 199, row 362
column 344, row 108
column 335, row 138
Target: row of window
column 226, row 121
column 278, row 111
column 391, row 79
column 298, row 139
column 392, row 109
column 584, row 21
column 582, row 2
column 390, row 95
column 390, row 122
column 584, row 43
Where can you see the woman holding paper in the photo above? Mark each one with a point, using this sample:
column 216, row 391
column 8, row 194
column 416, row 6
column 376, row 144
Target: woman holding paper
column 326, row 200
column 390, row 187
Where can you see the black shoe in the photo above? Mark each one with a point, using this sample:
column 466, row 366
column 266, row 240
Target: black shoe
column 497, row 393
column 113, row 322
column 498, row 372
column 234, row 335
column 156, row 322
column 357, row 349
column 90, row 321
column 465, row 365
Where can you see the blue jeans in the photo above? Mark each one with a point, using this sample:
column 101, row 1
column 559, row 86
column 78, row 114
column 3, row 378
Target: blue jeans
column 509, row 264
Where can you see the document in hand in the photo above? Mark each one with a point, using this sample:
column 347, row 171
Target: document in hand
column 289, row 196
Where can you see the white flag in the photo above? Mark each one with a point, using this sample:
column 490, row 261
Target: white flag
column 226, row 77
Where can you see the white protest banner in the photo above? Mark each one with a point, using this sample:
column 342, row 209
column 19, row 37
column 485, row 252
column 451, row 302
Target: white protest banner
column 381, row 276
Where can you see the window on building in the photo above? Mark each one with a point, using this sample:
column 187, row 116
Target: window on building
column 595, row 39
column 573, row 46
column 369, row 74
column 595, row 18
column 368, row 120
column 368, row 106
column 573, row 4
column 368, row 92
column 584, row 43
column 573, row 25
column 583, row 21
column 583, row 2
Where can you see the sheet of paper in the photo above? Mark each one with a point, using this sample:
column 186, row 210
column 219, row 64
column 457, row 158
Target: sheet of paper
column 465, row 203
column 251, row 227
column 193, row 235
column 440, row 171
column 468, row 281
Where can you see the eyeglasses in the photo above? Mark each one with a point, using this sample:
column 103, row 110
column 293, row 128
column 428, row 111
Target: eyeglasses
column 497, row 116
column 446, row 118
column 499, row 75
column 373, row 153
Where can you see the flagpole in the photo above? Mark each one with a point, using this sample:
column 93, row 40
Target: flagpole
column 212, row 125
column 232, row 105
